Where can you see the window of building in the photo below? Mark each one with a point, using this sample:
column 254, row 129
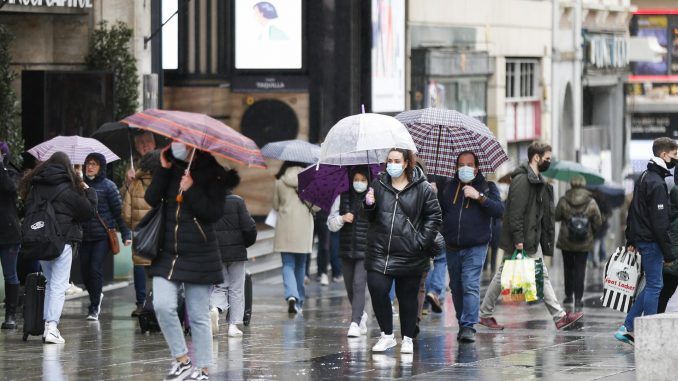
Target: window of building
column 523, row 106
column 196, row 42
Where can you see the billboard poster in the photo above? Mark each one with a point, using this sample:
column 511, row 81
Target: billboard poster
column 268, row 34
column 388, row 56
column 653, row 26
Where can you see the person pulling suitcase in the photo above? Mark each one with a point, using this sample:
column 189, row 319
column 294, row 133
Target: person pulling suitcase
column 236, row 231
column 57, row 202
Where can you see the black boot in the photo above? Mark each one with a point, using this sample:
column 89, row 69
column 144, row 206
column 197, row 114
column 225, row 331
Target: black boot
column 11, row 299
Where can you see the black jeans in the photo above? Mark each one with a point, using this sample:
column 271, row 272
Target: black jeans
column 670, row 285
column 92, row 256
column 407, row 289
column 574, row 269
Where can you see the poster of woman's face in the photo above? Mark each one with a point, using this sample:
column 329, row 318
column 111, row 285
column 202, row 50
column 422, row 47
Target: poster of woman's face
column 268, row 34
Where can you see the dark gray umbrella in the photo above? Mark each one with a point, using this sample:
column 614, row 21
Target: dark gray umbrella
column 292, row 150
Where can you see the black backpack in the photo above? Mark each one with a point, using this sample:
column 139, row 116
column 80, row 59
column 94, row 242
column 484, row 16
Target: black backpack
column 578, row 227
column 41, row 237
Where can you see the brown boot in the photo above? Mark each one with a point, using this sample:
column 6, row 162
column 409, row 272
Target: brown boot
column 491, row 323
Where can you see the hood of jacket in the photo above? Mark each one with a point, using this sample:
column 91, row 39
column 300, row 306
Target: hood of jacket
column 102, row 167
column 231, row 179
column 578, row 197
column 532, row 177
column 51, row 174
column 290, row 178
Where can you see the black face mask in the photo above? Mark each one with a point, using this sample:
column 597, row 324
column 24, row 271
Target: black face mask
column 544, row 165
column 671, row 163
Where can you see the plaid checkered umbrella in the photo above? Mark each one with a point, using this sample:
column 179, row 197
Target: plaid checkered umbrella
column 440, row 135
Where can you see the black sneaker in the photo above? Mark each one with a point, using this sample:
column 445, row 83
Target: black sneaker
column 292, row 305
column 467, row 335
column 199, row 374
column 179, row 371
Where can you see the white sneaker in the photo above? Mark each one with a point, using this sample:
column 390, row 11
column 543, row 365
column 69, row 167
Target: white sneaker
column 52, row 334
column 407, row 346
column 363, row 324
column 324, row 280
column 233, row 331
column 73, row 289
column 385, row 342
column 353, row 330
column 214, row 318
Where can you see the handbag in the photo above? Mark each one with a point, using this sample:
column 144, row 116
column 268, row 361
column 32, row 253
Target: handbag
column 622, row 279
column 113, row 242
column 148, row 234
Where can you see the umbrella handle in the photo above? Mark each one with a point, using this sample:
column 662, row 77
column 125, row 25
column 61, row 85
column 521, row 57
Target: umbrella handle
column 180, row 196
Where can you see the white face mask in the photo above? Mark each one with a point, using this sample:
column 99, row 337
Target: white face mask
column 359, row 186
column 179, row 151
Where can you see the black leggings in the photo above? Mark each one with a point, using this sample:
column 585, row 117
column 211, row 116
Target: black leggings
column 670, row 285
column 574, row 269
column 406, row 289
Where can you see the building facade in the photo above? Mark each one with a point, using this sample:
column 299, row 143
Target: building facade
column 489, row 59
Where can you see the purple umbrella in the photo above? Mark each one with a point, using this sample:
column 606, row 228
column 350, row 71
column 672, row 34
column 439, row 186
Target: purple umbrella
column 321, row 184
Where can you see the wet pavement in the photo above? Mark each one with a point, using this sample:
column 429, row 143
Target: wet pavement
column 277, row 346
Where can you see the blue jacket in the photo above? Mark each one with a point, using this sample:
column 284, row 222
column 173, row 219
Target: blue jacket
column 467, row 222
column 109, row 206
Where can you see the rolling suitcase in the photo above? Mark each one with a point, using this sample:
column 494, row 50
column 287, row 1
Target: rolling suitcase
column 34, row 302
column 148, row 322
column 247, row 317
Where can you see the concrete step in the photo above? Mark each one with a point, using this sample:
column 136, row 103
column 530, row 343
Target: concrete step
column 264, row 263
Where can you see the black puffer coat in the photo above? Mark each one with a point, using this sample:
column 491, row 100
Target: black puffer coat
column 10, row 228
column 109, row 205
column 236, row 230
column 71, row 206
column 403, row 224
column 353, row 236
column 190, row 251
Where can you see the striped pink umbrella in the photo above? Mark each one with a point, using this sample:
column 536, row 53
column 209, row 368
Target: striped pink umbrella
column 200, row 131
column 76, row 147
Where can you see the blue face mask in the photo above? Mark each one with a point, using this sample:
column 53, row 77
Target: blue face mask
column 466, row 174
column 394, row 169
column 179, row 151
column 359, row 186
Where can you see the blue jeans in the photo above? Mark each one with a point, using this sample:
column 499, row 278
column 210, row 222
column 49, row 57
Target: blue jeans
column 57, row 272
column 165, row 303
column 435, row 280
column 293, row 271
column 465, row 267
column 92, row 256
column 648, row 299
column 8, row 255
column 140, row 284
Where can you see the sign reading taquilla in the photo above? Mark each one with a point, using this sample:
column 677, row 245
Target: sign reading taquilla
column 52, row 3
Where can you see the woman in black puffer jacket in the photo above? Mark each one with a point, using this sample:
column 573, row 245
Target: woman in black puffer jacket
column 74, row 203
column 404, row 219
column 236, row 231
column 189, row 256
column 348, row 218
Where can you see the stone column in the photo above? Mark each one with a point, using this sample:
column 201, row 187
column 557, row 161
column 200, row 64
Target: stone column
column 655, row 346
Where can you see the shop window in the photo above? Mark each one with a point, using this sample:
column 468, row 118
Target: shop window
column 523, row 106
column 196, row 42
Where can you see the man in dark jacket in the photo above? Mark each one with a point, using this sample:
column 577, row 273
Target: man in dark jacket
column 236, row 231
column 95, row 246
column 10, row 236
column 469, row 203
column 528, row 224
column 648, row 226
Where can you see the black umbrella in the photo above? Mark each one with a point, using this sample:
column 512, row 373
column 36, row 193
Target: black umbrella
column 119, row 138
column 611, row 195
